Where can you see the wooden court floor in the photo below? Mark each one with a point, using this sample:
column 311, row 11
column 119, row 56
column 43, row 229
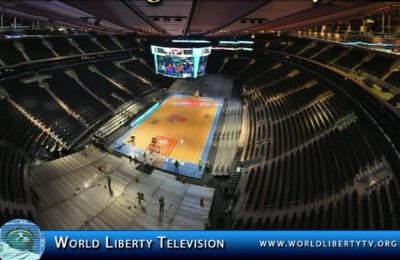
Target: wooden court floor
column 181, row 125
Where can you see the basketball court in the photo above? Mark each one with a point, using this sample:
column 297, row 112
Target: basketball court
column 179, row 128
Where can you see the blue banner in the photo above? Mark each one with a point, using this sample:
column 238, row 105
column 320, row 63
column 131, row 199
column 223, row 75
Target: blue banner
column 232, row 244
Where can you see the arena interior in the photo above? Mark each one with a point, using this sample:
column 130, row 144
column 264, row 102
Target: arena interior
column 295, row 120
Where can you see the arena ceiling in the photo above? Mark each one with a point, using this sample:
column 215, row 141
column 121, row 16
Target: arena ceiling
column 192, row 17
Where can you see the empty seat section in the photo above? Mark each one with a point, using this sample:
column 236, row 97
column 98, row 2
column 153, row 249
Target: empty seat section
column 39, row 103
column 330, row 55
column 141, row 69
column 127, row 41
column 234, row 66
column 101, row 86
column 9, row 54
column 62, row 46
column 119, row 75
column 353, row 58
column 76, row 97
column 106, row 41
column 377, row 66
column 86, row 44
column 36, row 49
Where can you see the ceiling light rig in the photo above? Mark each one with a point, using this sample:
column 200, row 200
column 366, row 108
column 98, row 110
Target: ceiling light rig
column 253, row 20
column 166, row 19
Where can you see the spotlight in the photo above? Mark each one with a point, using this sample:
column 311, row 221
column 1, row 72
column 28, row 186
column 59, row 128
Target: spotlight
column 243, row 21
column 156, row 19
column 260, row 21
column 153, row 2
column 167, row 20
column 178, row 19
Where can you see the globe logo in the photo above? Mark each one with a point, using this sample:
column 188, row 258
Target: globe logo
column 21, row 239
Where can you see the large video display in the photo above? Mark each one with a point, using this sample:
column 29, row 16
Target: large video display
column 180, row 62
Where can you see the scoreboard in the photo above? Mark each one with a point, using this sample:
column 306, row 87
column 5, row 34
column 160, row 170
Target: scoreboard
column 180, row 62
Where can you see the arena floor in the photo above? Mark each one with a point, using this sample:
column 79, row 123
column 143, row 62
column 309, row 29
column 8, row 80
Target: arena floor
column 183, row 128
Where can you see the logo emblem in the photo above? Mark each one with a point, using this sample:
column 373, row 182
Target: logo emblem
column 176, row 118
column 21, row 239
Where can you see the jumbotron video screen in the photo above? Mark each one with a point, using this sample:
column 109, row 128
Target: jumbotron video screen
column 180, row 62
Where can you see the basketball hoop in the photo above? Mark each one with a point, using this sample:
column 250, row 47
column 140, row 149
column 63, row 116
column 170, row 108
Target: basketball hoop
column 154, row 147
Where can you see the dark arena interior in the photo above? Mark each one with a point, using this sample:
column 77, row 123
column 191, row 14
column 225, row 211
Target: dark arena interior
column 288, row 114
